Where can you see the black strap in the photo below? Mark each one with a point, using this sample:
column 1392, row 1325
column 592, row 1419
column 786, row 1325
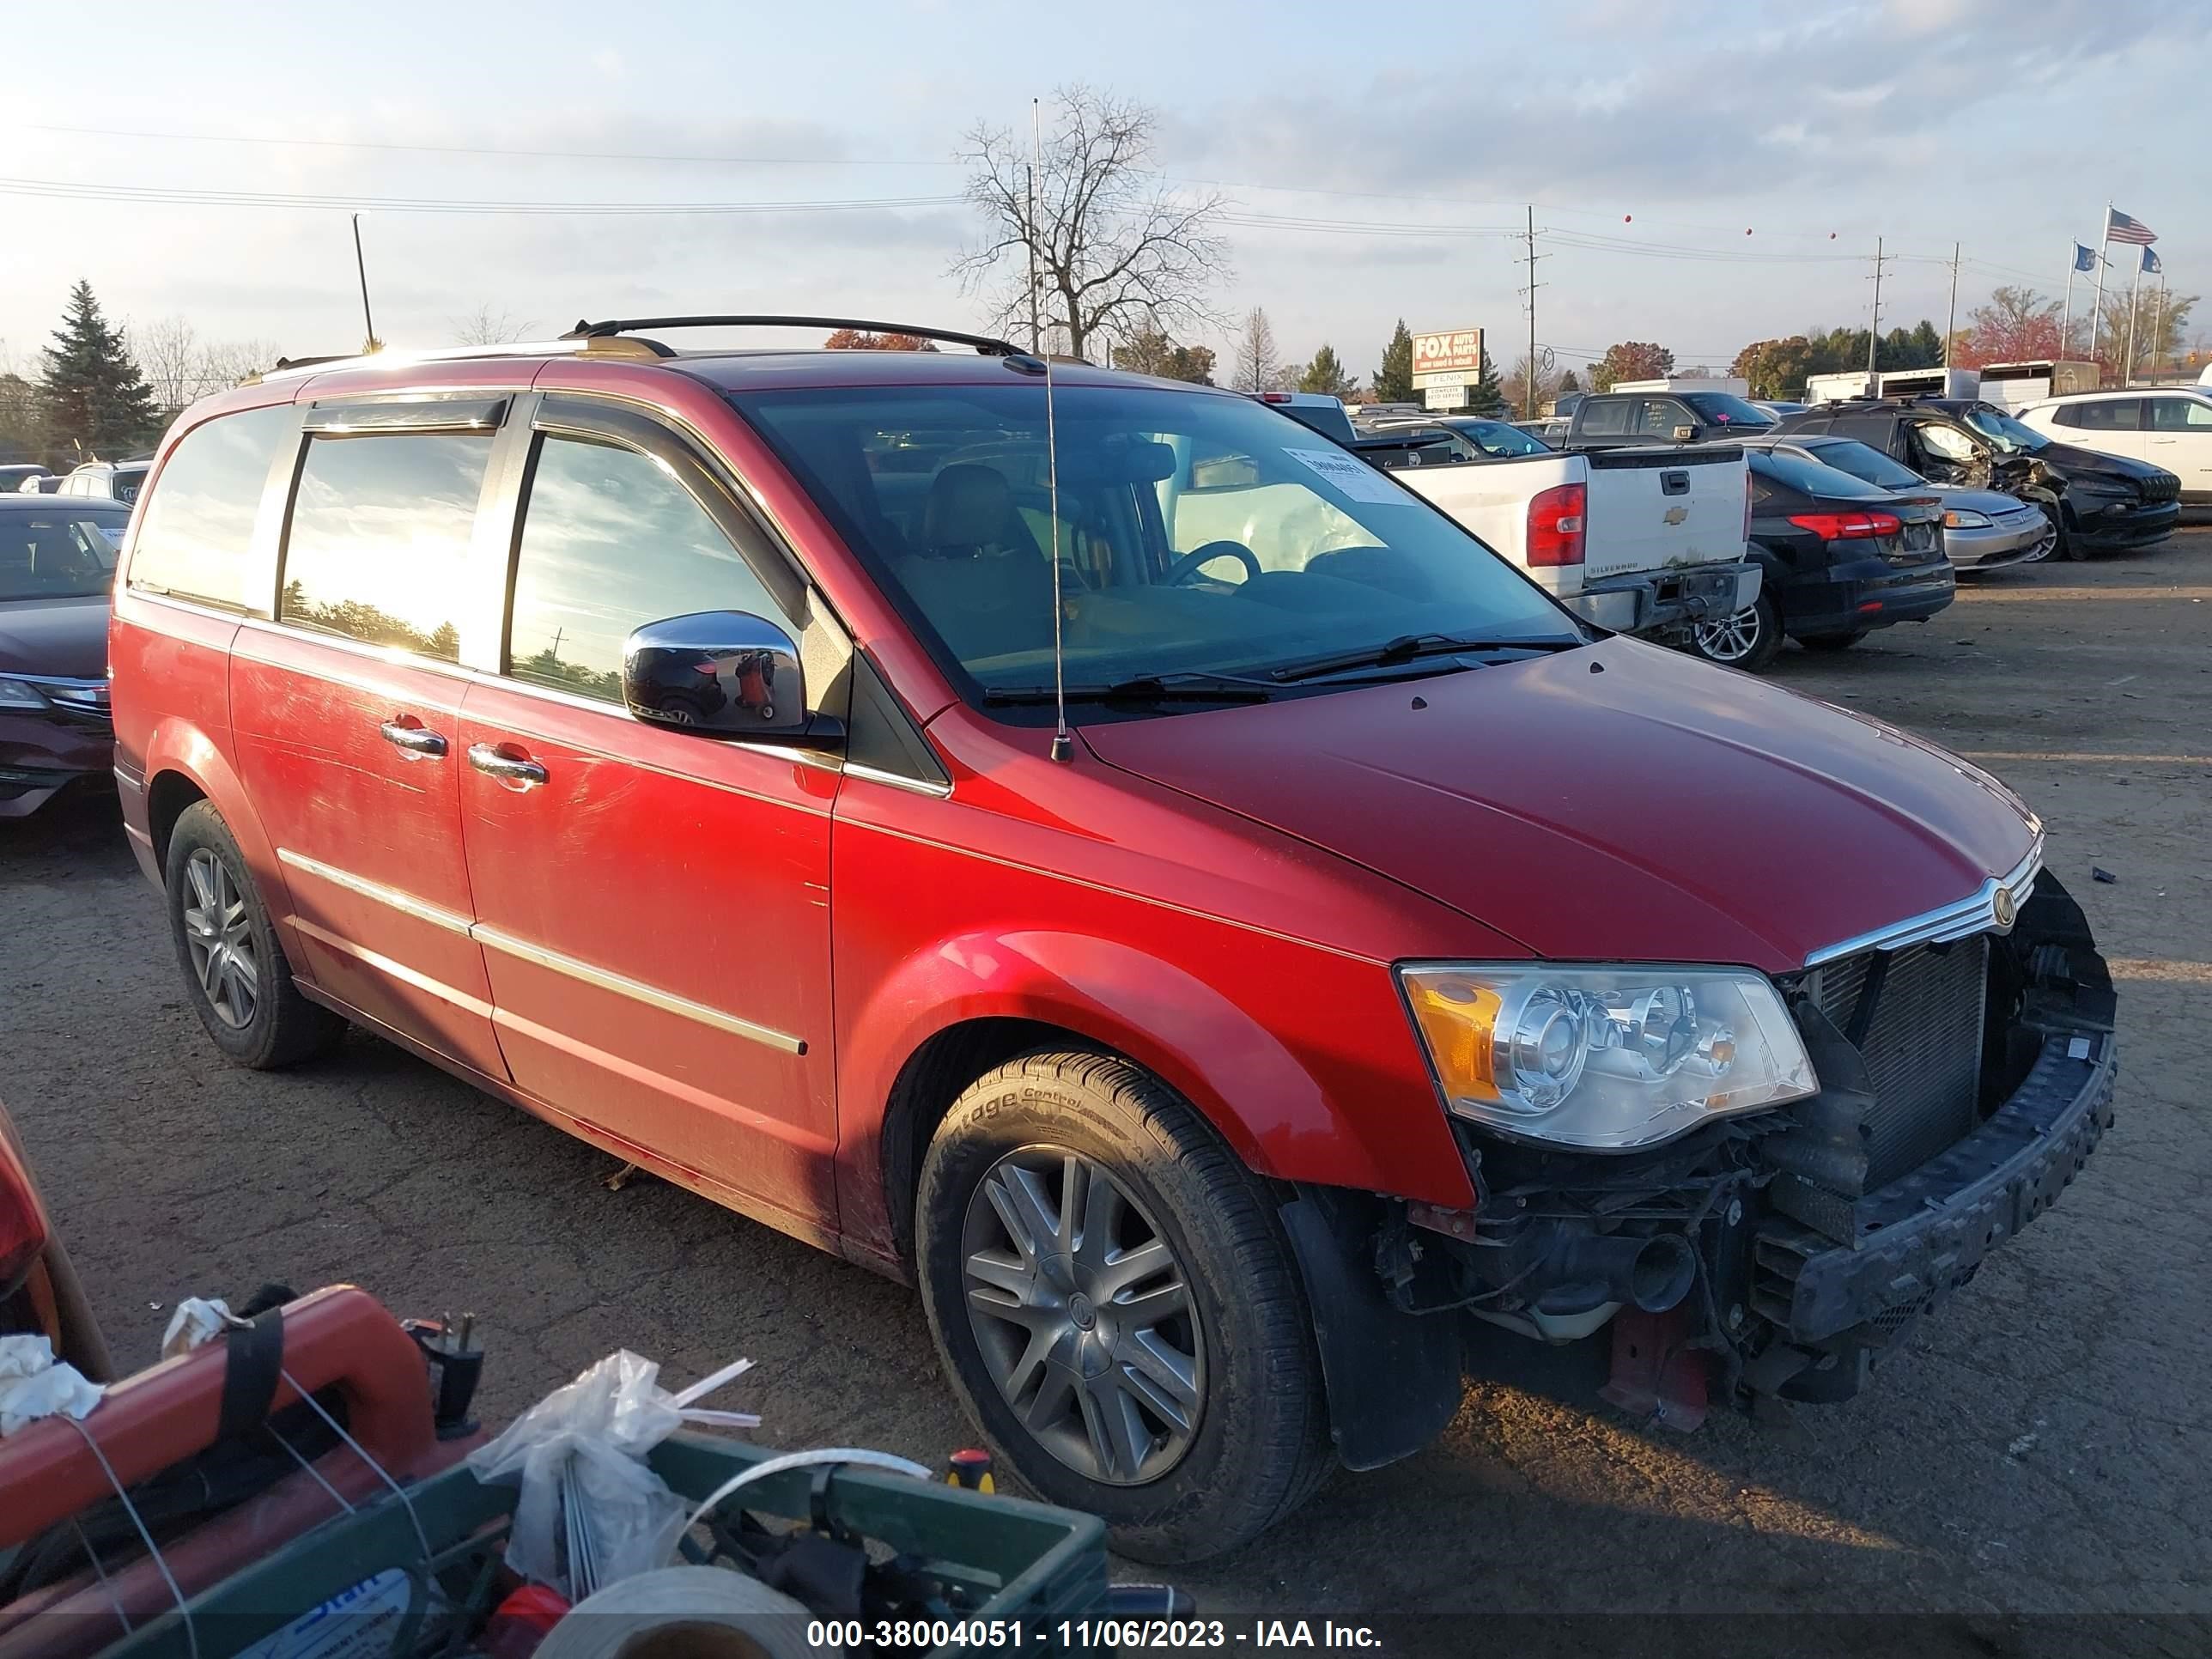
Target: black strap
column 254, row 1365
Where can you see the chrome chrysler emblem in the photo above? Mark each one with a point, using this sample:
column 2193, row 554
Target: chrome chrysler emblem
column 2001, row 908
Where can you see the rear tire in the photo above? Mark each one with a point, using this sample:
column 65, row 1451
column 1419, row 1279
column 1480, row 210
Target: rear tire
column 1750, row 639
column 1080, row 1374
column 1834, row 642
column 235, row 973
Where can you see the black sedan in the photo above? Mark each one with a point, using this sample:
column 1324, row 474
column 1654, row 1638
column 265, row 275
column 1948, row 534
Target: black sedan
column 1838, row 557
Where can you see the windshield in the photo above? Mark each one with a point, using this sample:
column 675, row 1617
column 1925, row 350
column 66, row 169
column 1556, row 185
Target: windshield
column 1198, row 533
column 1726, row 409
column 1865, row 461
column 1811, row 478
column 66, row 551
column 2004, row 431
column 1497, row 438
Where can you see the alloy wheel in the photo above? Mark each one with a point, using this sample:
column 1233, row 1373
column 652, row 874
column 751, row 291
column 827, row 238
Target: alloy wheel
column 2048, row 545
column 1083, row 1316
column 219, row 934
column 1730, row 639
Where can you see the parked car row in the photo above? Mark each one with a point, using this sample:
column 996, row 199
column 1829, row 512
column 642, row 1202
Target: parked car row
column 1268, row 945
column 110, row 481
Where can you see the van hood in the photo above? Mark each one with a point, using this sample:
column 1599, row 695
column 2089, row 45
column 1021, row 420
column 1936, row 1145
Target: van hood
column 1621, row 802
column 67, row 638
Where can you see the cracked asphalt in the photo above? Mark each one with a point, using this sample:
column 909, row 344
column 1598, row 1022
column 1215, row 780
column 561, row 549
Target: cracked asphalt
column 2041, row 1448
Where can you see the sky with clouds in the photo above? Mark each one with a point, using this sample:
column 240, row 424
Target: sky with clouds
column 1378, row 163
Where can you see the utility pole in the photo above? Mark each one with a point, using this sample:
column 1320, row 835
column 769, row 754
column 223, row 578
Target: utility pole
column 361, row 266
column 1951, row 318
column 1873, row 333
column 1529, row 384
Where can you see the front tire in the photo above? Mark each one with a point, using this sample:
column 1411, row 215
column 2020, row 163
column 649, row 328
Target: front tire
column 1115, row 1304
column 1749, row 639
column 235, row 973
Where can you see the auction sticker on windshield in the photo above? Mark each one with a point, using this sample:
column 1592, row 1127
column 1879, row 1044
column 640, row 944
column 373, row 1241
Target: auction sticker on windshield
column 1353, row 477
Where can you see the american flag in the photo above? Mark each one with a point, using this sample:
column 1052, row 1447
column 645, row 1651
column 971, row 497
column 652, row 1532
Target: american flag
column 2119, row 228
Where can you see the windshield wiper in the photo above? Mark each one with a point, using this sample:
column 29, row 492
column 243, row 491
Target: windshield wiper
column 1194, row 685
column 1408, row 647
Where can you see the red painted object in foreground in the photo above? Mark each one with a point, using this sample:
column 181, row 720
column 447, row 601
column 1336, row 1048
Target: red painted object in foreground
column 665, row 743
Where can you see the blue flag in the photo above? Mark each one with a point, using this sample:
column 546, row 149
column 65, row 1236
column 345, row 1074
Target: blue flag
column 2085, row 259
column 2151, row 267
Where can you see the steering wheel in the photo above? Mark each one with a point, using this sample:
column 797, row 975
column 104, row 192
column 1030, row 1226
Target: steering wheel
column 1187, row 566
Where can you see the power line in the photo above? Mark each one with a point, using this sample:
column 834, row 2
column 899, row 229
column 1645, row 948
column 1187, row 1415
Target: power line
column 494, row 150
column 64, row 190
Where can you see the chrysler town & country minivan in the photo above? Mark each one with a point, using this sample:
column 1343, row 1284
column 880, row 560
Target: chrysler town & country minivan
column 668, row 744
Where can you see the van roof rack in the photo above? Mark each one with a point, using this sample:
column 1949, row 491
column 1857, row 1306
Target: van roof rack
column 983, row 343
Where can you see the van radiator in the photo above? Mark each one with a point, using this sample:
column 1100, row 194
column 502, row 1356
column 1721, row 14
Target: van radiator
column 1923, row 1046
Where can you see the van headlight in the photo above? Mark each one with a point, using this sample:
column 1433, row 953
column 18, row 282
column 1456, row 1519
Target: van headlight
column 1605, row 1057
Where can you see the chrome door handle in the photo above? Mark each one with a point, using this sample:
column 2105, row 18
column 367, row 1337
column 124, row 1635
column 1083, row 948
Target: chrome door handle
column 413, row 742
column 510, row 769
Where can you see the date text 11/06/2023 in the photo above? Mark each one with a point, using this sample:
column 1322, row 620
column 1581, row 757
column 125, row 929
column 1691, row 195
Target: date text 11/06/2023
column 1084, row 1635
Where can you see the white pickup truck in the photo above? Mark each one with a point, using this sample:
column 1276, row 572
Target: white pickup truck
column 1640, row 540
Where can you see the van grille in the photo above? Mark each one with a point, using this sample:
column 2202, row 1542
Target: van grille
column 2165, row 487
column 1923, row 1047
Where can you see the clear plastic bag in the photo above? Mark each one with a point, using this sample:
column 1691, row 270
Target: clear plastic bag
column 579, row 1457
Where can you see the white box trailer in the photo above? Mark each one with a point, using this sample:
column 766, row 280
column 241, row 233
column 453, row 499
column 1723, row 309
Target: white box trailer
column 2015, row 385
column 1837, row 387
column 1929, row 383
column 1734, row 384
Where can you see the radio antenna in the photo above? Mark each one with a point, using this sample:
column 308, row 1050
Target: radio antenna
column 1063, row 741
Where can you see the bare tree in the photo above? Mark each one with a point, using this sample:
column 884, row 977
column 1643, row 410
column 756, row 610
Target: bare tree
column 1259, row 367
column 485, row 326
column 1113, row 249
column 167, row 351
column 225, row 364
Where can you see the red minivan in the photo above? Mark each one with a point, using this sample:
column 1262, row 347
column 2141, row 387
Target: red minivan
column 667, row 742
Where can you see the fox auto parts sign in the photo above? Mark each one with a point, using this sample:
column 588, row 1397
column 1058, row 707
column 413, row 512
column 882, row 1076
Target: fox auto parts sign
column 1446, row 353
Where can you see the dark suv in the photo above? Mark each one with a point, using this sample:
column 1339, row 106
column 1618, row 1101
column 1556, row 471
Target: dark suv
column 2098, row 502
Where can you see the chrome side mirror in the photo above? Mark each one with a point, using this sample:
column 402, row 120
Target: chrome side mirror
column 720, row 674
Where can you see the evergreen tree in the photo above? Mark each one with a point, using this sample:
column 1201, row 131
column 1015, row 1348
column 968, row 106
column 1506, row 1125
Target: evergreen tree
column 1485, row 396
column 1394, row 380
column 96, row 402
column 1326, row 374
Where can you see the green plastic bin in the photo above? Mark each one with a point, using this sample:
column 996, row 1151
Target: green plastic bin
column 999, row 1560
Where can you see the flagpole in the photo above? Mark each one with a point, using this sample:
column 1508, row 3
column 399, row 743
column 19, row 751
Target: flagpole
column 2066, row 327
column 2097, row 317
column 2158, row 333
column 2128, row 371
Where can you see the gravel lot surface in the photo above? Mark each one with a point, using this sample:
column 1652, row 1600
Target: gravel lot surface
column 2042, row 1448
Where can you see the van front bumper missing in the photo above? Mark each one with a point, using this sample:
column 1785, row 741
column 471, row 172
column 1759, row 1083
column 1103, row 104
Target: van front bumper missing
column 1653, row 603
column 1924, row 1235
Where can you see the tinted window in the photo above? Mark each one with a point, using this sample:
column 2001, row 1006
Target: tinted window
column 1864, row 461
column 378, row 537
column 610, row 541
column 197, row 523
column 1604, row 419
column 1810, row 477
column 62, row 552
column 2180, row 415
column 1658, row 418
column 1495, row 438
column 2067, row 414
column 2110, row 414
column 1725, row 409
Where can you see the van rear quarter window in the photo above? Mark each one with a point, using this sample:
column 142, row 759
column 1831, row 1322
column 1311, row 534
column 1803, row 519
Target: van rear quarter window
column 380, row 528
column 198, row 523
